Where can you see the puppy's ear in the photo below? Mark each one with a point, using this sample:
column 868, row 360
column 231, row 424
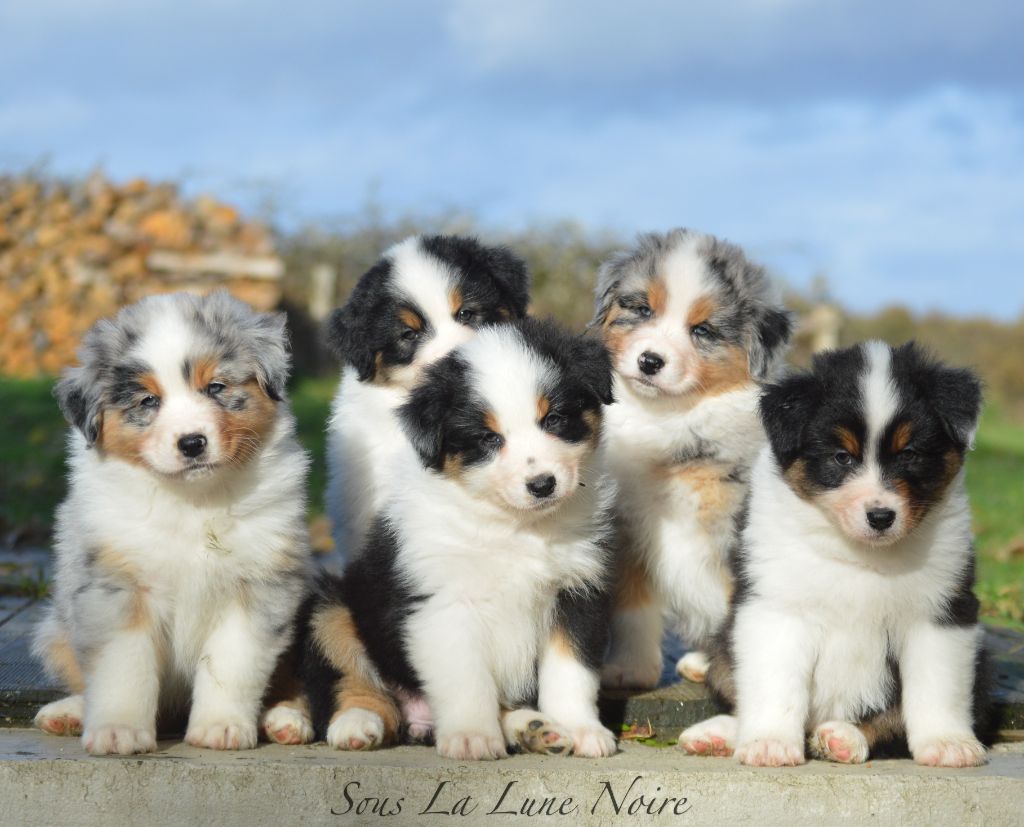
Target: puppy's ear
column 346, row 338
column 79, row 399
column 424, row 416
column 770, row 337
column 592, row 363
column 270, row 333
column 956, row 395
column 513, row 279
column 786, row 410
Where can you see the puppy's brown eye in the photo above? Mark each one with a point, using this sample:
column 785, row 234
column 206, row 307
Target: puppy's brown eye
column 465, row 316
column 552, row 420
column 492, row 440
column 410, row 335
column 215, row 387
column 908, row 453
column 150, row 401
column 843, row 458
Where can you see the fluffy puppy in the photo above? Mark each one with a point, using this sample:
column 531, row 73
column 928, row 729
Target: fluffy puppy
column 693, row 328
column 483, row 583
column 424, row 297
column 181, row 547
column 853, row 622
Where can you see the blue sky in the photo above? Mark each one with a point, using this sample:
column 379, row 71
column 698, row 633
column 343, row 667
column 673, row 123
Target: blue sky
column 880, row 143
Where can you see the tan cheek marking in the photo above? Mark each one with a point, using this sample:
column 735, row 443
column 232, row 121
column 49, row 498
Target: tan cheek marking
column 543, row 406
column 410, row 318
column 121, row 439
column 796, row 477
column 491, row 421
column 242, row 432
column 901, row 437
column 725, row 370
column 700, row 311
column 453, row 466
column 454, row 300
column 561, row 644
column 334, row 632
column 593, row 420
column 848, row 439
column 633, row 586
column 915, row 510
column 657, row 296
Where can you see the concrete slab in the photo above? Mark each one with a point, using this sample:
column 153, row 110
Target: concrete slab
column 46, row 781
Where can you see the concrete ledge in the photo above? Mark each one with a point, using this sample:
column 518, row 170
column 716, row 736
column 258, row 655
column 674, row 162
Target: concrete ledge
column 46, row 781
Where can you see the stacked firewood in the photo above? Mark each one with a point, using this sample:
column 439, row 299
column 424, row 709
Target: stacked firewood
column 72, row 253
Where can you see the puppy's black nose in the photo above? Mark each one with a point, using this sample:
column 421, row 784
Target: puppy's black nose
column 881, row 518
column 192, row 445
column 650, row 363
column 541, row 486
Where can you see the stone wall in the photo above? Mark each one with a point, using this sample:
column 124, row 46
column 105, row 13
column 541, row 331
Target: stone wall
column 72, row 253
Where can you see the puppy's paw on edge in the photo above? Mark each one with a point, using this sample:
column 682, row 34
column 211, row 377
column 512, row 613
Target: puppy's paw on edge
column 287, row 725
column 63, row 717
column 952, row 751
column 118, row 739
column 693, row 666
column 771, row 752
column 471, row 746
column 533, row 731
column 715, row 737
column 221, row 735
column 356, row 729
column 838, row 741
column 593, row 741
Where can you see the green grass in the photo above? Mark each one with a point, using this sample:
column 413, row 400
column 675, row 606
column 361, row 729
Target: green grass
column 32, row 480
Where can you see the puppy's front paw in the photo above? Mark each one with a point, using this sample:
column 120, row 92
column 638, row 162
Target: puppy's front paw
column 63, row 717
column 118, row 739
column 475, row 746
column 954, row 751
column 713, row 737
column 225, row 733
column 532, row 731
column 592, row 741
column 631, row 674
column 838, row 741
column 287, row 725
column 771, row 752
column 693, row 666
column 356, row 729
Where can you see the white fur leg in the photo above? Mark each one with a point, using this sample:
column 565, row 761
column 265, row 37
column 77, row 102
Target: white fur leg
column 63, row 717
column 356, row 729
column 937, row 668
column 567, row 691
column 771, row 752
column 287, row 725
column 121, row 696
column 838, row 741
column 232, row 676
column 634, row 661
column 532, row 731
column 693, row 666
column 963, row 751
column 713, row 737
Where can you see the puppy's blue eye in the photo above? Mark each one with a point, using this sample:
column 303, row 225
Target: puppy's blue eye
column 644, row 312
column 843, row 458
column 150, row 401
column 410, row 335
column 492, row 440
column 701, row 331
column 215, row 387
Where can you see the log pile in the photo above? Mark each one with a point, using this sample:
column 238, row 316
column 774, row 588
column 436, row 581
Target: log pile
column 74, row 253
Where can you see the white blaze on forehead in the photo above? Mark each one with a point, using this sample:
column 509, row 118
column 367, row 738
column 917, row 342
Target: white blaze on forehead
column 508, row 375
column 422, row 279
column 165, row 345
column 685, row 274
column 878, row 394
